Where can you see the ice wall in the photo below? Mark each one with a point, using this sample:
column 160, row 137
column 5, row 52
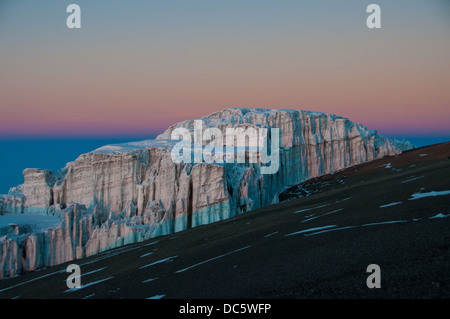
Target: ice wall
column 125, row 193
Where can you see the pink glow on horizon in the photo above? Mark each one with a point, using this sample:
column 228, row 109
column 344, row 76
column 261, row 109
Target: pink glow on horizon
column 136, row 79
column 387, row 121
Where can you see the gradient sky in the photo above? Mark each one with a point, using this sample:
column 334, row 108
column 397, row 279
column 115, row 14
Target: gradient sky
column 136, row 67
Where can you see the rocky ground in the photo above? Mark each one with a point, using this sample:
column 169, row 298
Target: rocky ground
column 317, row 243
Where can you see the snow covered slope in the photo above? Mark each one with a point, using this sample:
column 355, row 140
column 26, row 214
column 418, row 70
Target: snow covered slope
column 125, row 193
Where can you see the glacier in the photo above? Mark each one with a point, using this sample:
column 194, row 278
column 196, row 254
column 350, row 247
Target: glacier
column 126, row 193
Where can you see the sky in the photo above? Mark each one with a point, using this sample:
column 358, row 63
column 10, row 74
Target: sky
column 136, row 67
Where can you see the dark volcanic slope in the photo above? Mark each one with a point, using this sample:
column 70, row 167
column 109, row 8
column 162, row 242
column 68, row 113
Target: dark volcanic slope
column 318, row 246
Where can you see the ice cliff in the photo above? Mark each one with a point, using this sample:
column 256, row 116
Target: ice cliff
column 126, row 193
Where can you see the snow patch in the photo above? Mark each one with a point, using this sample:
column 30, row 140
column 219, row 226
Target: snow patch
column 328, row 230
column 356, row 226
column 88, row 285
column 391, row 204
column 429, row 194
column 385, row 223
column 157, row 297
column 168, row 259
column 152, row 243
column 211, row 259
column 271, row 234
column 332, row 212
column 149, row 280
column 440, row 215
column 310, row 230
column 308, row 209
column 412, row 179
